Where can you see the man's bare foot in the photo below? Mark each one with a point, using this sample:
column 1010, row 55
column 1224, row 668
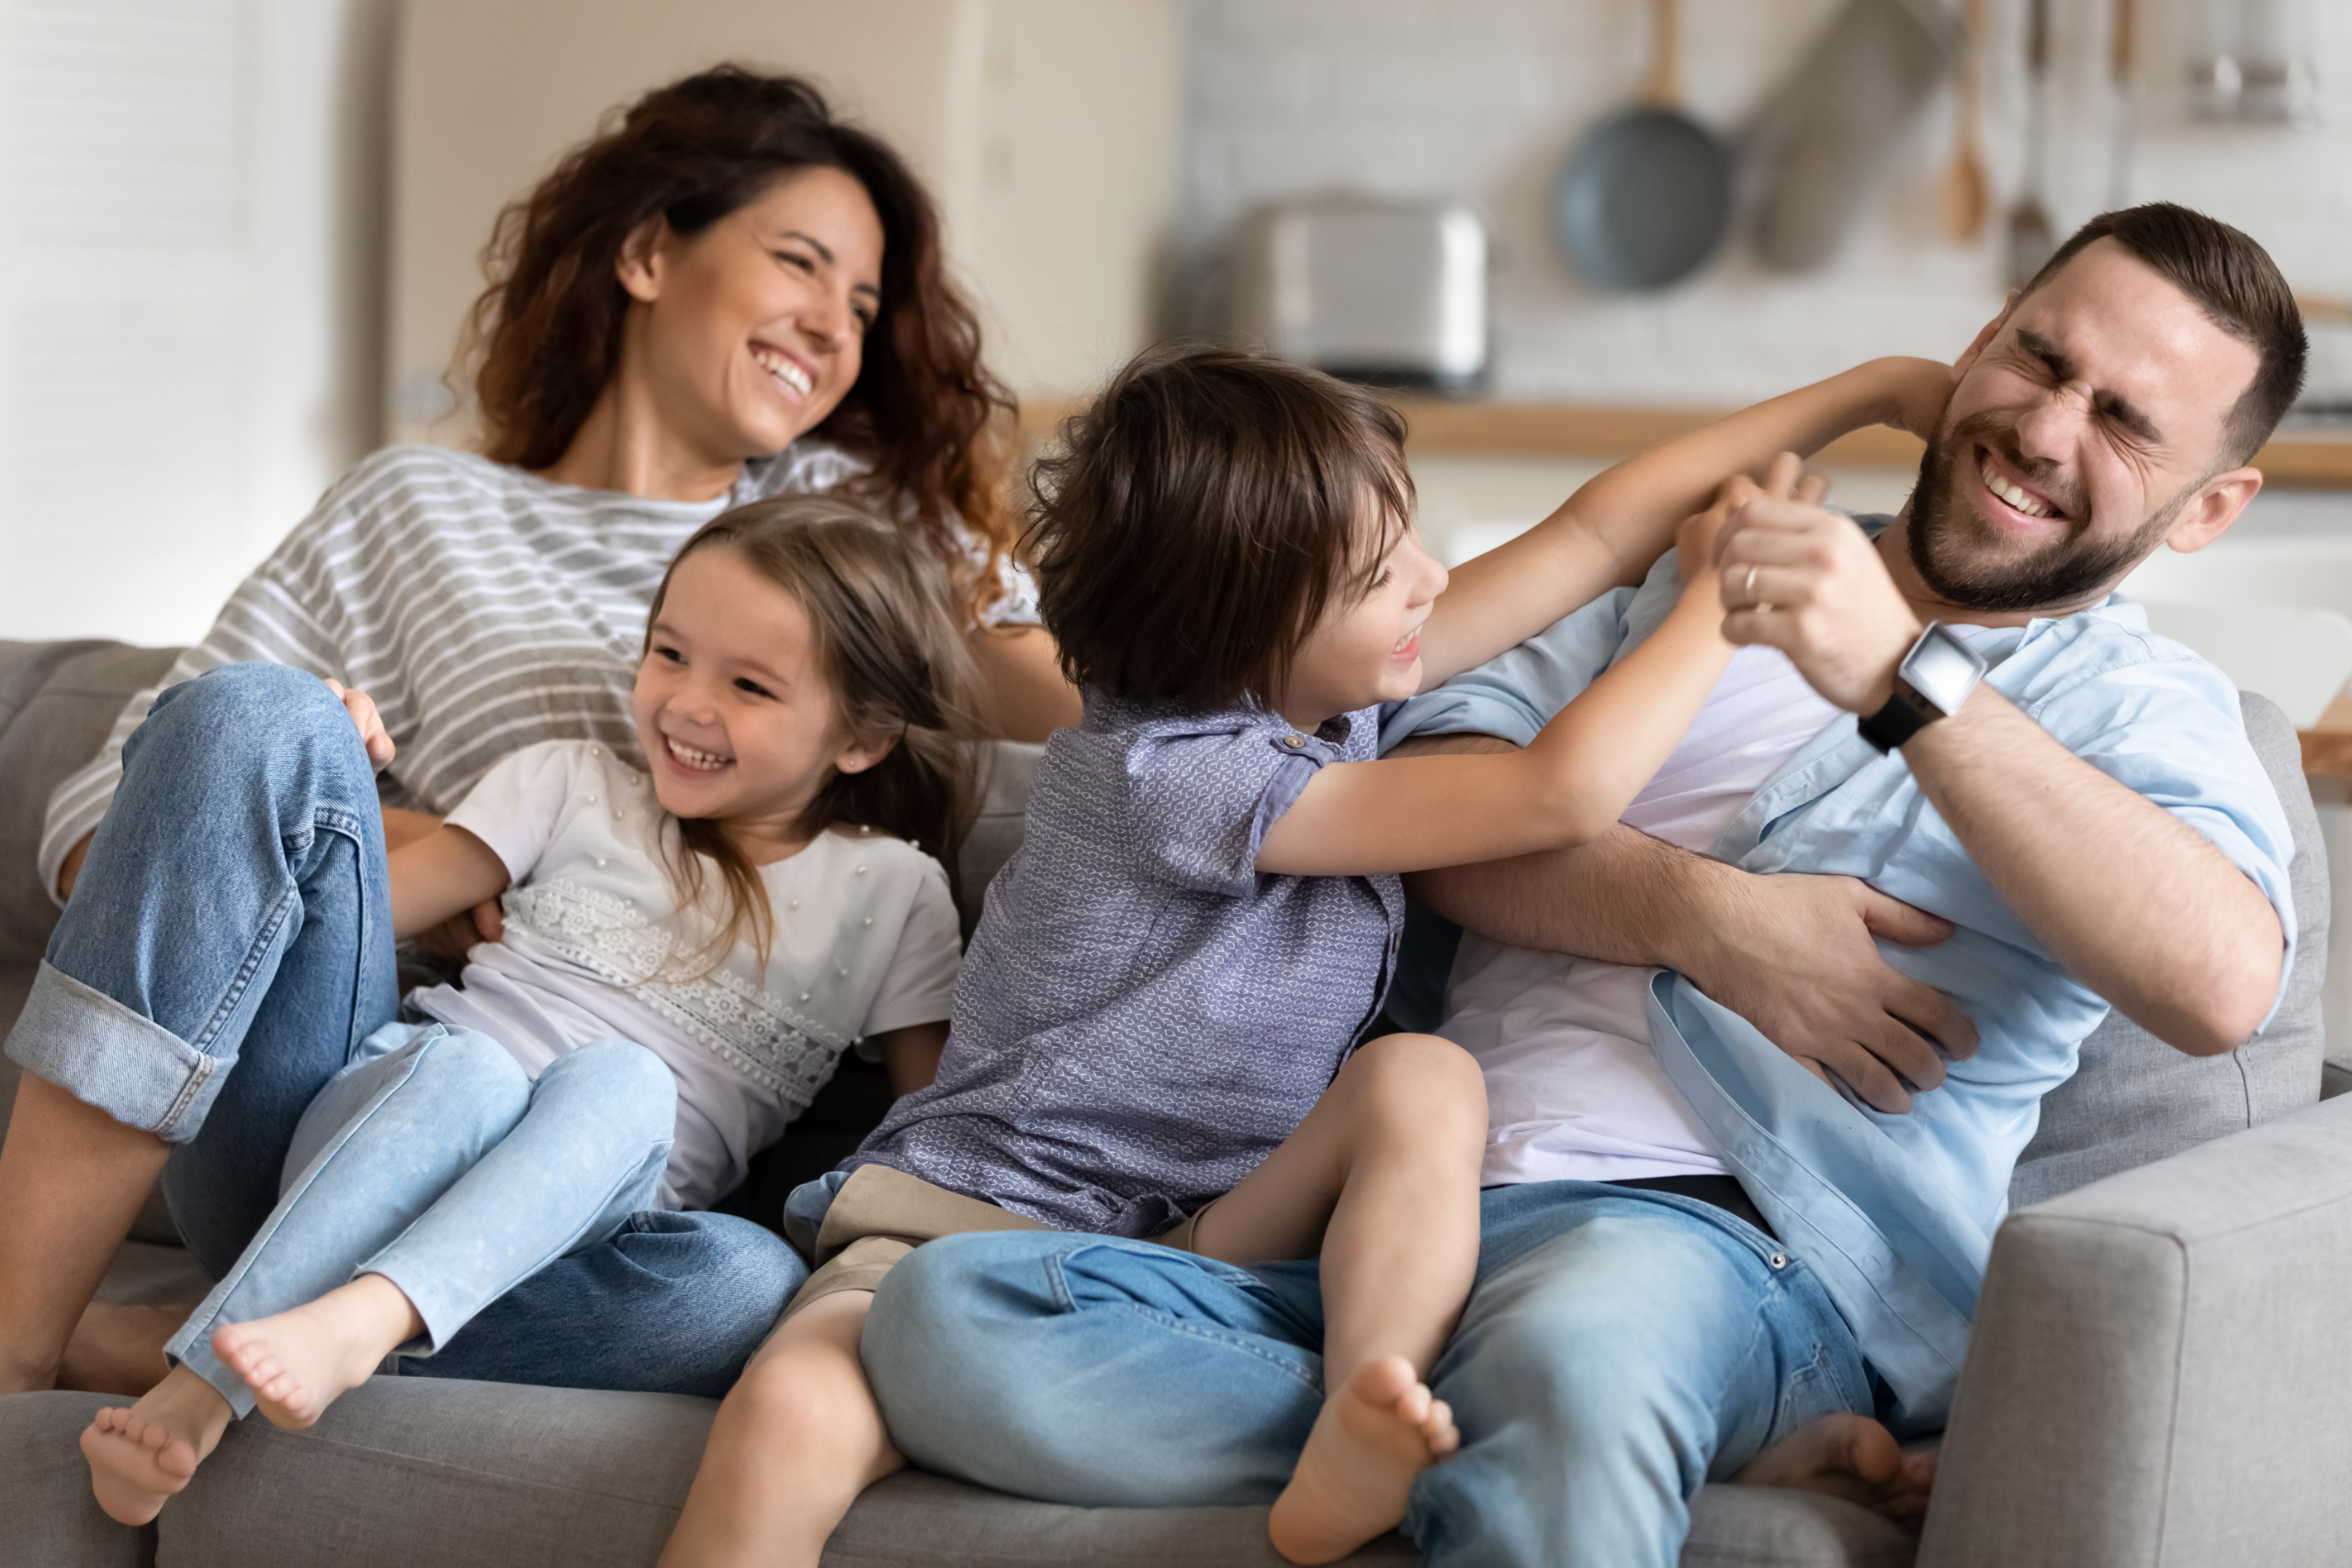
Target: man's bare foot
column 1851, row 1456
column 1371, row 1439
column 119, row 1350
column 141, row 1457
column 300, row 1362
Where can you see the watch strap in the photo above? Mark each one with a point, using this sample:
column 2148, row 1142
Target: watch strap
column 1904, row 714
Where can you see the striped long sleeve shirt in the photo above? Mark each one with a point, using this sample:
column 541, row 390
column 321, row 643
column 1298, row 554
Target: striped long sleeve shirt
column 484, row 610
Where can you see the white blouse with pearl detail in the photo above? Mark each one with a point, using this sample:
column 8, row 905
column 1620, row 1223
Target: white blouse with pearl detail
column 866, row 942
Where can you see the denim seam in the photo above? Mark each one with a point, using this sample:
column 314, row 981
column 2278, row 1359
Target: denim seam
column 263, row 940
column 1067, row 1302
column 198, row 1076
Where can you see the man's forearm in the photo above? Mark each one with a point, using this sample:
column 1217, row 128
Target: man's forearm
column 2150, row 914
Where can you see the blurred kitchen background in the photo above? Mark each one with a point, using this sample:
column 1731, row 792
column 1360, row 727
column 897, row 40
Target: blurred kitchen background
column 238, row 235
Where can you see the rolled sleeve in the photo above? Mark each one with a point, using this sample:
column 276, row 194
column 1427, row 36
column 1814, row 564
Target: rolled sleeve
column 1201, row 801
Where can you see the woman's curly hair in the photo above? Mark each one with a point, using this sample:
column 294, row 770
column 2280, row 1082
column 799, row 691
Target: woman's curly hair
column 546, row 335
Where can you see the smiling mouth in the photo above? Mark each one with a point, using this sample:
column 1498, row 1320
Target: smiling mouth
column 1409, row 643
column 2018, row 498
column 688, row 756
column 788, row 375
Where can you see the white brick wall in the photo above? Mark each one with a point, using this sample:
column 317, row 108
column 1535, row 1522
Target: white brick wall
column 1483, row 99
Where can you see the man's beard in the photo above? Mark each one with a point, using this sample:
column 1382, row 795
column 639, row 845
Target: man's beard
column 1952, row 547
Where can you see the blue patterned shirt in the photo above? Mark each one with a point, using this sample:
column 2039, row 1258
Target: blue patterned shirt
column 1144, row 1014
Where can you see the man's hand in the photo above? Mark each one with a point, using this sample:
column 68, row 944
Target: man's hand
column 372, row 733
column 1807, row 581
column 1798, row 961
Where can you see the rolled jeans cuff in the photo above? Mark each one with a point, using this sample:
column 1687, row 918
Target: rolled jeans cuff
column 105, row 1056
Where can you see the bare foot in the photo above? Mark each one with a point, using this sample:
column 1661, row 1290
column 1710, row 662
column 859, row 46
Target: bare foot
column 119, row 1350
column 1851, row 1456
column 141, row 1457
column 1371, row 1439
column 300, row 1362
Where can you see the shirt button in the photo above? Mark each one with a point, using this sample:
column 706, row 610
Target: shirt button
column 794, row 904
column 843, row 973
column 601, row 862
column 591, row 800
column 595, row 751
column 1778, row 1260
column 860, row 871
column 803, row 996
column 869, row 920
column 1294, row 739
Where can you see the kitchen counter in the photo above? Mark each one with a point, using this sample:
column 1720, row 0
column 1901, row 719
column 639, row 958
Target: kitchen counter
column 2300, row 460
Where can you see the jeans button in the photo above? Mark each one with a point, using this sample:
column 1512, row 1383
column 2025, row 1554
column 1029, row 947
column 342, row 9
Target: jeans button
column 1778, row 1260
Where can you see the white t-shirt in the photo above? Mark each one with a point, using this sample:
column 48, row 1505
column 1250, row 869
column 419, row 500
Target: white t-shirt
column 596, row 949
column 1573, row 1092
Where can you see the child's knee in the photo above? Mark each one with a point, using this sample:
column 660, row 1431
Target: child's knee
column 625, row 1079
column 1419, row 1082
column 470, row 1068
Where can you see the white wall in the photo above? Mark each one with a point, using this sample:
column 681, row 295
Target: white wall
column 190, row 264
column 1483, row 99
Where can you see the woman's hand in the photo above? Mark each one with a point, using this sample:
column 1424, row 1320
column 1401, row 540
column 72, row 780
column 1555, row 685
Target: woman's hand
column 372, row 733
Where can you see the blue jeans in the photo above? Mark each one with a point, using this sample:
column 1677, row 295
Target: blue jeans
column 434, row 1161
column 1620, row 1348
column 227, row 952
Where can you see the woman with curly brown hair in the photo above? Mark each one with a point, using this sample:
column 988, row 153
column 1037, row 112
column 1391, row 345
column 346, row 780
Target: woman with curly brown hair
column 727, row 295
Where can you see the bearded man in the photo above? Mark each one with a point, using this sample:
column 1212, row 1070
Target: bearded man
column 1703, row 1256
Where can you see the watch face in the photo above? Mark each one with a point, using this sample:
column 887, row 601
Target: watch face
column 1943, row 670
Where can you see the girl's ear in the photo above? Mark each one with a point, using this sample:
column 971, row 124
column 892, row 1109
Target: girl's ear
column 863, row 753
column 638, row 266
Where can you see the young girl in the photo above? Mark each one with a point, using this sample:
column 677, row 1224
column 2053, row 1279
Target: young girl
column 1155, row 1034
column 760, row 902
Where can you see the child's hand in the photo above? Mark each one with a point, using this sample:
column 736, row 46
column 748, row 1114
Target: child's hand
column 1921, row 388
column 1695, row 541
column 372, row 733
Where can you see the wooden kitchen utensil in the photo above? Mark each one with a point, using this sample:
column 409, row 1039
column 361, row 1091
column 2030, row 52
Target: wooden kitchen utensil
column 1964, row 183
column 1646, row 200
column 2032, row 243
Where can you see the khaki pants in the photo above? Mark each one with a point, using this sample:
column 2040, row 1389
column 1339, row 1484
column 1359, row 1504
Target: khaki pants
column 881, row 1215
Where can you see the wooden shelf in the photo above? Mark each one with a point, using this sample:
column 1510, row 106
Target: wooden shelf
column 1574, row 430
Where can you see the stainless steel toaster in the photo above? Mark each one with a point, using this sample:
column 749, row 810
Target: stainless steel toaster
column 1391, row 292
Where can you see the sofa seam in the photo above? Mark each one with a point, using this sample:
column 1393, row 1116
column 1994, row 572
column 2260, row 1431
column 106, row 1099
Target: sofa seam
column 2246, row 1227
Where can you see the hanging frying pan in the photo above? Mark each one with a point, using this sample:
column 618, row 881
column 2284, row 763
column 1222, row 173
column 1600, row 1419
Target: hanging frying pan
column 1645, row 200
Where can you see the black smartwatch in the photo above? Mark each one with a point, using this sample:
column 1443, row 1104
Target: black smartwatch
column 1930, row 684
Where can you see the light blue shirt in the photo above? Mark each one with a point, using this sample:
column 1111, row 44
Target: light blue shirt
column 1897, row 1213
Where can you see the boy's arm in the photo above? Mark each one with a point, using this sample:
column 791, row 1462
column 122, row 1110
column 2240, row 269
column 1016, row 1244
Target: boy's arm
column 1610, row 531
column 911, row 1056
column 436, row 875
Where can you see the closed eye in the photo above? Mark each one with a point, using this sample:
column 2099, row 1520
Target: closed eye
column 741, row 685
column 663, row 650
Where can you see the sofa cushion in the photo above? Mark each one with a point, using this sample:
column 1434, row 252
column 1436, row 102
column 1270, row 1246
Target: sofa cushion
column 2134, row 1098
column 486, row 1475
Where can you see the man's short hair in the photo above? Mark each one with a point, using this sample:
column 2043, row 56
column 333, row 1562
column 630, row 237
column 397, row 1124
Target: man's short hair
column 2236, row 283
column 1202, row 516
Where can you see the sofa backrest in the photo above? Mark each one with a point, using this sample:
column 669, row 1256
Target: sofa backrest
column 2135, row 1099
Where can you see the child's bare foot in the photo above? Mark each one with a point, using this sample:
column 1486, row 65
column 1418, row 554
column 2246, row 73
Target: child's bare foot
column 119, row 1350
column 300, row 1362
column 1371, row 1439
column 141, row 1457
column 1851, row 1456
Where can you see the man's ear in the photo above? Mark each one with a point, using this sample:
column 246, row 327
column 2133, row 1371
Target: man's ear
column 638, row 266
column 1984, row 335
column 2218, row 503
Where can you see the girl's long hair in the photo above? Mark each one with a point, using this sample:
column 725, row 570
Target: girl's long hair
column 545, row 335
column 888, row 645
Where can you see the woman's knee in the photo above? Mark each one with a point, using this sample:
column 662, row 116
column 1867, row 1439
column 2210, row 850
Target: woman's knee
column 240, row 718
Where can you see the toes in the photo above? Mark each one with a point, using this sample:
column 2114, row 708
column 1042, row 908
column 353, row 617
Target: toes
column 1415, row 1404
column 1439, row 1428
column 1385, row 1381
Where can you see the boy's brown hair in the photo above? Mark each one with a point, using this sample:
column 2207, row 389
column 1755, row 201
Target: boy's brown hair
column 1203, row 514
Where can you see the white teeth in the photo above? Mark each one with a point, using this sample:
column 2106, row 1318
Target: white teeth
column 784, row 370
column 693, row 758
column 2013, row 495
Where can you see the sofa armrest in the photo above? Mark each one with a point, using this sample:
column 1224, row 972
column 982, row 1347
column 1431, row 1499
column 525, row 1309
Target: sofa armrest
column 2154, row 1375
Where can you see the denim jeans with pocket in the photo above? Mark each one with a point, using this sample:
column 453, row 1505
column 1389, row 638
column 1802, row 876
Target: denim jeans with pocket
column 228, row 950
column 1620, row 1348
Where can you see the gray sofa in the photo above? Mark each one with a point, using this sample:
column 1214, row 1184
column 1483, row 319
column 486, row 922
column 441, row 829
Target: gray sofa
column 2149, row 1383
